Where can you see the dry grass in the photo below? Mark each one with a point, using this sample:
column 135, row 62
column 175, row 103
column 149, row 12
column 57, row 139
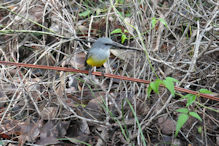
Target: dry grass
column 42, row 106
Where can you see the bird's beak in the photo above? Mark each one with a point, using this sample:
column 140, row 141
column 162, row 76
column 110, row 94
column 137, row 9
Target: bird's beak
column 115, row 44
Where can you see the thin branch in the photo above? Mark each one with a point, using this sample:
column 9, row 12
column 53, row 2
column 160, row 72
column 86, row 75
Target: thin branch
column 105, row 75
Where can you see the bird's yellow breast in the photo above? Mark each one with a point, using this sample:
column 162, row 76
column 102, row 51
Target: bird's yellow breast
column 95, row 62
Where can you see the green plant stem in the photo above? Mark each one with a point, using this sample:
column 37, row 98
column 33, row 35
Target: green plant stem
column 209, row 108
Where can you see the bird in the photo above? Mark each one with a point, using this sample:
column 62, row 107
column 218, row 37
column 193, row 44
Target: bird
column 99, row 53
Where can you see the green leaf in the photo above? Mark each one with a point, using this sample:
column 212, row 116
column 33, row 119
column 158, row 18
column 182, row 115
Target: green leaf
column 85, row 13
column 120, row 14
column 183, row 110
column 123, row 38
column 153, row 22
column 155, row 85
column 149, row 91
column 195, row 115
column 200, row 130
column 171, row 79
column 205, row 91
column 118, row 30
column 170, row 86
column 190, row 99
column 180, row 122
column 121, row 1
column 125, row 31
column 163, row 21
column 187, row 96
column 98, row 11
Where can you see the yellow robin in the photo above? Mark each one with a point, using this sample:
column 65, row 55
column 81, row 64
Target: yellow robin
column 99, row 53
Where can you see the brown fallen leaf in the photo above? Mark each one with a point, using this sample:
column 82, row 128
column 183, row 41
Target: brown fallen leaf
column 51, row 131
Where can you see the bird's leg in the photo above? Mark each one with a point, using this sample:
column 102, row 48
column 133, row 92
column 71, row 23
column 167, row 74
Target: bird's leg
column 93, row 69
column 90, row 72
column 102, row 73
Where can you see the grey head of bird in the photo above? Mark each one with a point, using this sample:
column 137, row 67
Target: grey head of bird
column 104, row 42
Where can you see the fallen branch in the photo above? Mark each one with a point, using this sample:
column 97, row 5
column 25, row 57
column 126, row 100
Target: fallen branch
column 105, row 75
